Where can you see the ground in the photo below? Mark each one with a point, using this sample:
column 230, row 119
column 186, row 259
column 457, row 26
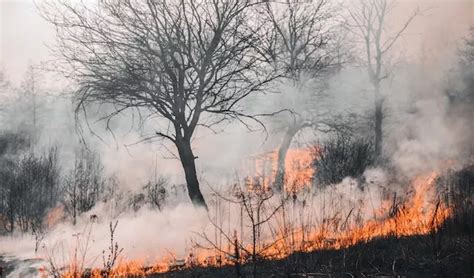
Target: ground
column 14, row 268
column 417, row 256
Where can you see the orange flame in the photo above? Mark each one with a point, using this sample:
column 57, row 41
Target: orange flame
column 418, row 214
column 298, row 169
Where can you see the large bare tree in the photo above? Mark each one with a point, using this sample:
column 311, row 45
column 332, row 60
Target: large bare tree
column 190, row 63
column 368, row 21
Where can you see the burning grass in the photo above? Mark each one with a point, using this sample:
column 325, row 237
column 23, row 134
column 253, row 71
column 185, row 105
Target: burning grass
column 412, row 256
column 292, row 230
column 415, row 216
column 252, row 226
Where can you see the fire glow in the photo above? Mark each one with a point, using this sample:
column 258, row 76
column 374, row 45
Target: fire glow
column 298, row 169
column 420, row 212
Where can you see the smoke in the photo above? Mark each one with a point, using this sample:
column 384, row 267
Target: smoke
column 145, row 235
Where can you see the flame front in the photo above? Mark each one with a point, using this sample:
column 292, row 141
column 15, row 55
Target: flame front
column 418, row 215
column 419, row 212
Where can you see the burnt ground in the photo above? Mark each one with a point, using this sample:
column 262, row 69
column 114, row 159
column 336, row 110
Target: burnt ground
column 437, row 255
column 13, row 267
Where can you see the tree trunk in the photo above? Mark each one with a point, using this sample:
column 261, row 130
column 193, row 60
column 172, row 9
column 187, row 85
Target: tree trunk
column 283, row 150
column 378, row 121
column 187, row 160
column 11, row 220
column 237, row 256
column 254, row 249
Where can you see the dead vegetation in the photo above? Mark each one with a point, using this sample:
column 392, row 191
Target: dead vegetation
column 388, row 257
column 446, row 251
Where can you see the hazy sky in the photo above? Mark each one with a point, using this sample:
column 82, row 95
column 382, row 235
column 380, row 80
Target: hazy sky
column 24, row 34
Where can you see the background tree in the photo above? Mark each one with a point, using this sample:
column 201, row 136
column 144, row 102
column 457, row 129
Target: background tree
column 464, row 92
column 5, row 87
column 368, row 21
column 36, row 184
column 84, row 184
column 300, row 43
column 460, row 90
column 30, row 88
column 188, row 63
column 28, row 187
column 24, row 106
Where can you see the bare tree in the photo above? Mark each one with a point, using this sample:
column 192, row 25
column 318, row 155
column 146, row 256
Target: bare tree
column 300, row 43
column 369, row 22
column 84, row 184
column 30, row 89
column 23, row 106
column 5, row 88
column 460, row 89
column 188, row 63
column 466, row 53
column 460, row 85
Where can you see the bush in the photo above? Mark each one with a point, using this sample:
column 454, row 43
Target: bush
column 156, row 192
column 28, row 189
column 340, row 157
column 12, row 143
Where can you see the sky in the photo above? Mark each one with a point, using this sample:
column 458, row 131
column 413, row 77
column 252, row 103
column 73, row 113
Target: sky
column 25, row 36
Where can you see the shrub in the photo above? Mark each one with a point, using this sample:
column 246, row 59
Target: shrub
column 156, row 192
column 12, row 143
column 28, row 189
column 342, row 156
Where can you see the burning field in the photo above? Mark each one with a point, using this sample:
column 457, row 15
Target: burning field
column 251, row 230
column 236, row 138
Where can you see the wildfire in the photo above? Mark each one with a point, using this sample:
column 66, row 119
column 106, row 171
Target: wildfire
column 419, row 212
column 298, row 169
column 418, row 215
